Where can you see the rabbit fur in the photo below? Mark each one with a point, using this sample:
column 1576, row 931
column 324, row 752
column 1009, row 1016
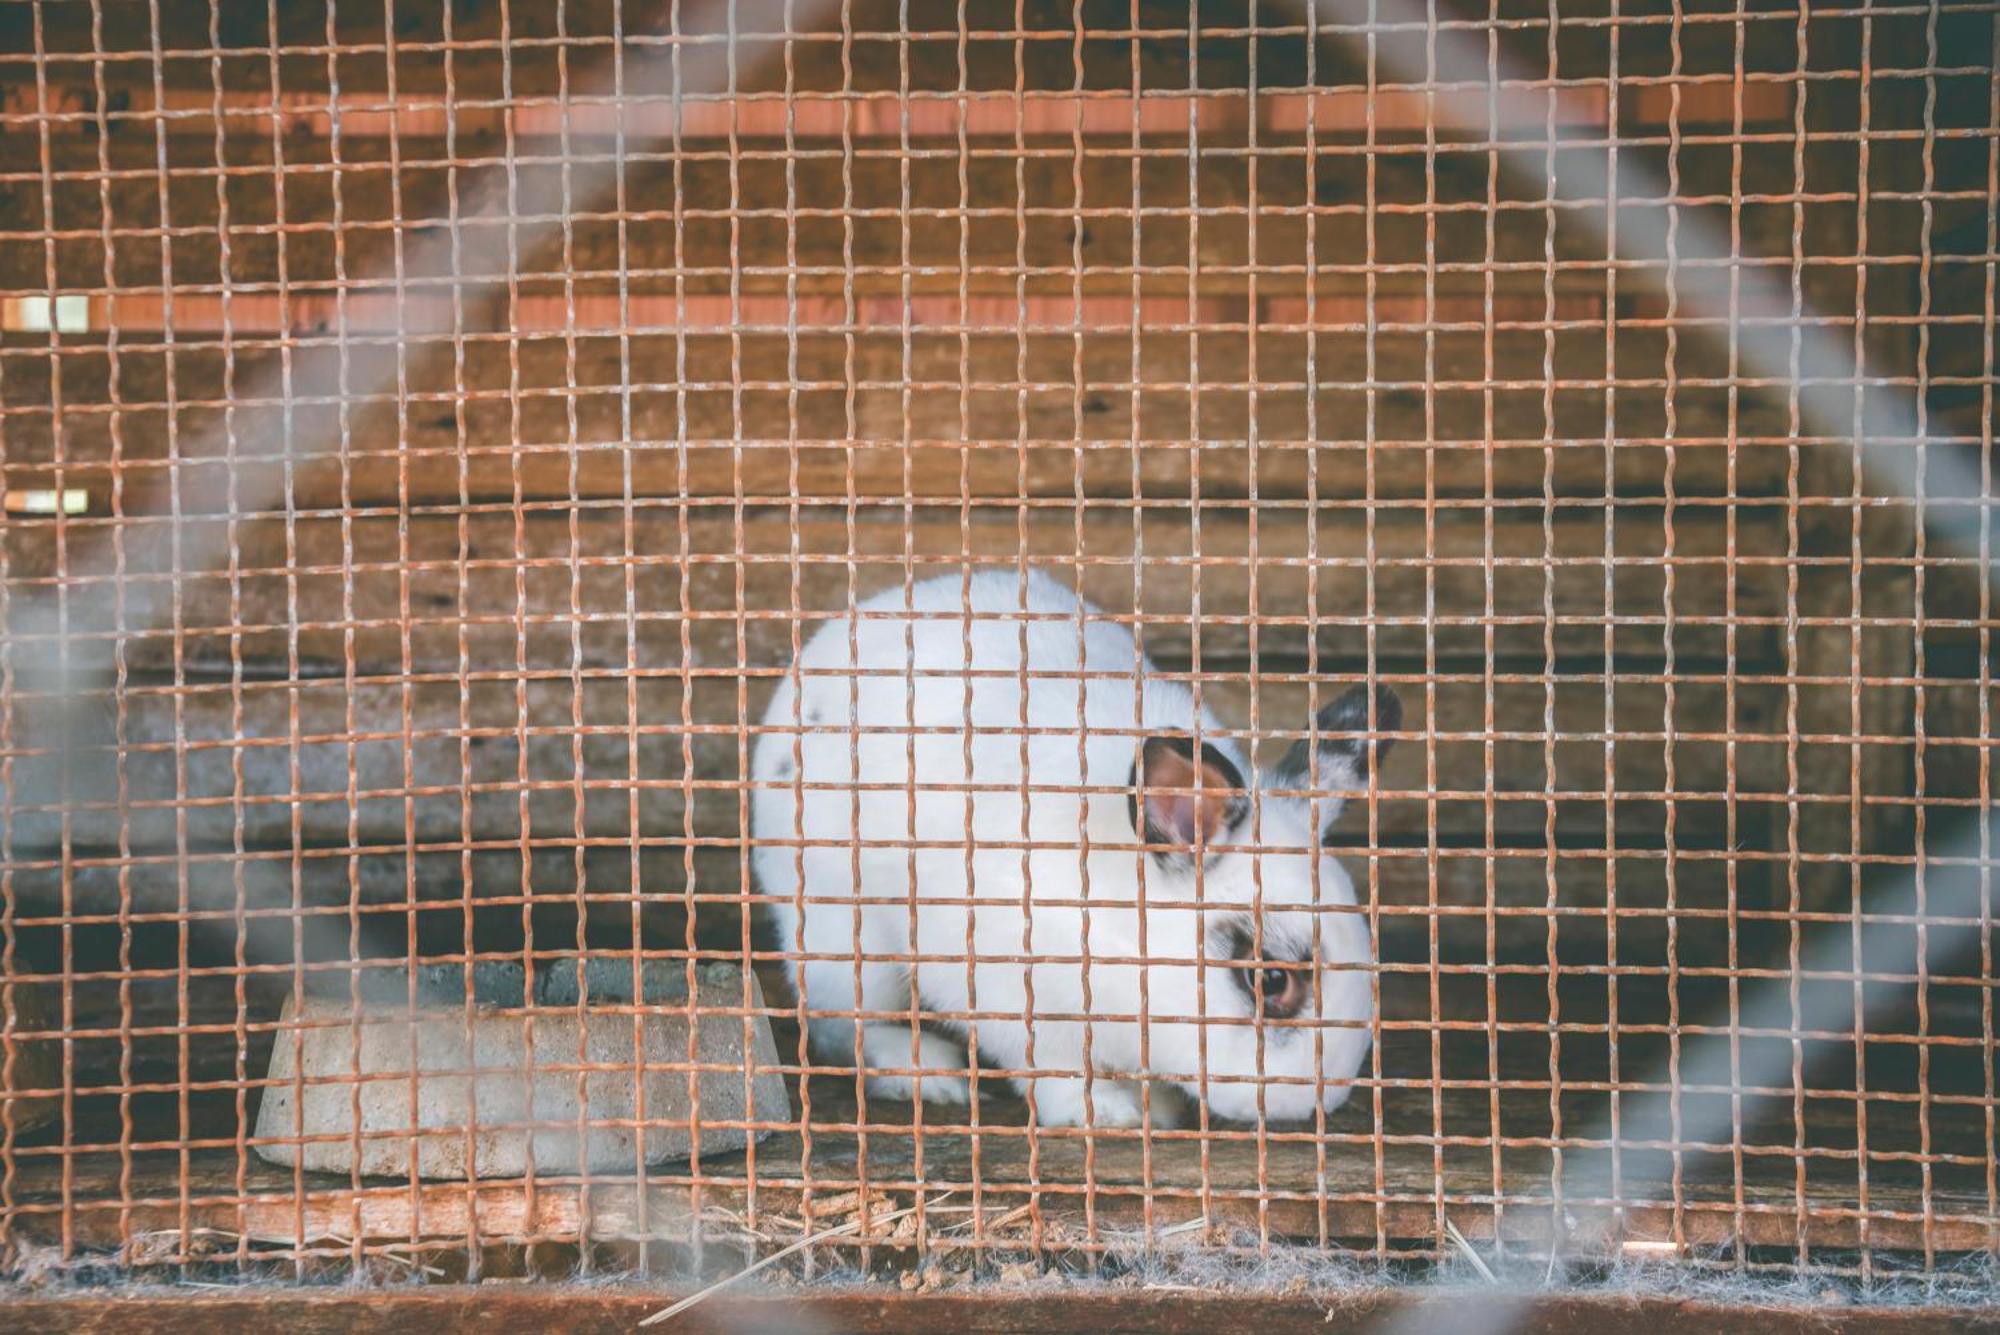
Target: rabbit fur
column 984, row 775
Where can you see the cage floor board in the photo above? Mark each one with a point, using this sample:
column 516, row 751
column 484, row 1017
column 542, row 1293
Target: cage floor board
column 1434, row 1160
column 111, row 1202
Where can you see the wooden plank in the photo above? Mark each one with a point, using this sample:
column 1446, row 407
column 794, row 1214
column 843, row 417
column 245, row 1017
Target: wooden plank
column 1049, row 217
column 1389, row 108
column 597, row 115
column 1711, row 100
column 983, row 1311
column 1107, row 414
column 999, row 214
column 489, row 576
column 382, row 312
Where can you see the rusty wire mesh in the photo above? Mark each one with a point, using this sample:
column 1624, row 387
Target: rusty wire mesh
column 472, row 410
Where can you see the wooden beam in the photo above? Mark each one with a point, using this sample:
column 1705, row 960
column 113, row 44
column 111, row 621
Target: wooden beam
column 378, row 312
column 995, row 1308
column 875, row 117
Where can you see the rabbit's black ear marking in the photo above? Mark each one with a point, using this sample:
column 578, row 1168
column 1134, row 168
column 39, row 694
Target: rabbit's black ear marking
column 1179, row 800
column 1349, row 714
column 1346, row 754
column 1351, row 745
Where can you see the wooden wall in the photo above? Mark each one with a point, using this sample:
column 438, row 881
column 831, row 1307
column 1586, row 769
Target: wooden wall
column 487, row 626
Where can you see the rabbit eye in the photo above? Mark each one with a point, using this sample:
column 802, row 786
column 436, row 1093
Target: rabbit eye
column 1277, row 988
column 1280, row 992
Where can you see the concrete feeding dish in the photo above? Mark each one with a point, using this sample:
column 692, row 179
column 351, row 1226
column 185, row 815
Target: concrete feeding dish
column 524, row 1071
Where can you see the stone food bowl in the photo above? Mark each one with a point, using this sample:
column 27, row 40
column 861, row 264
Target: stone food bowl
column 566, row 1072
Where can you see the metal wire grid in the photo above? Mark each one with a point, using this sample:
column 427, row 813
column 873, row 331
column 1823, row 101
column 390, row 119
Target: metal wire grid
column 433, row 608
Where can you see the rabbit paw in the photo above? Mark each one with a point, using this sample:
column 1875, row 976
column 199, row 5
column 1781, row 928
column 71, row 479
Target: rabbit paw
column 939, row 1061
column 1060, row 1101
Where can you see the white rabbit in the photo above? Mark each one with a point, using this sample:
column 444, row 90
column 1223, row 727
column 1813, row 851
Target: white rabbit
column 976, row 820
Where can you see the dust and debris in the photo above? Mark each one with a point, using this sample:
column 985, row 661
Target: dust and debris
column 822, row 1245
column 32, row 1265
column 877, row 1204
column 173, row 1246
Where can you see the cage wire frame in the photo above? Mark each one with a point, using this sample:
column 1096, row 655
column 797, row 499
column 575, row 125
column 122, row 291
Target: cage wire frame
column 344, row 329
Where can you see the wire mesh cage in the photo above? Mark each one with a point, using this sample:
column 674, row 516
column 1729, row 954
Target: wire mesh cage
column 641, row 632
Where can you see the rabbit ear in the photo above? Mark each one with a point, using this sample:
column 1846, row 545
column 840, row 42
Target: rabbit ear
column 1351, row 745
column 1180, row 799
